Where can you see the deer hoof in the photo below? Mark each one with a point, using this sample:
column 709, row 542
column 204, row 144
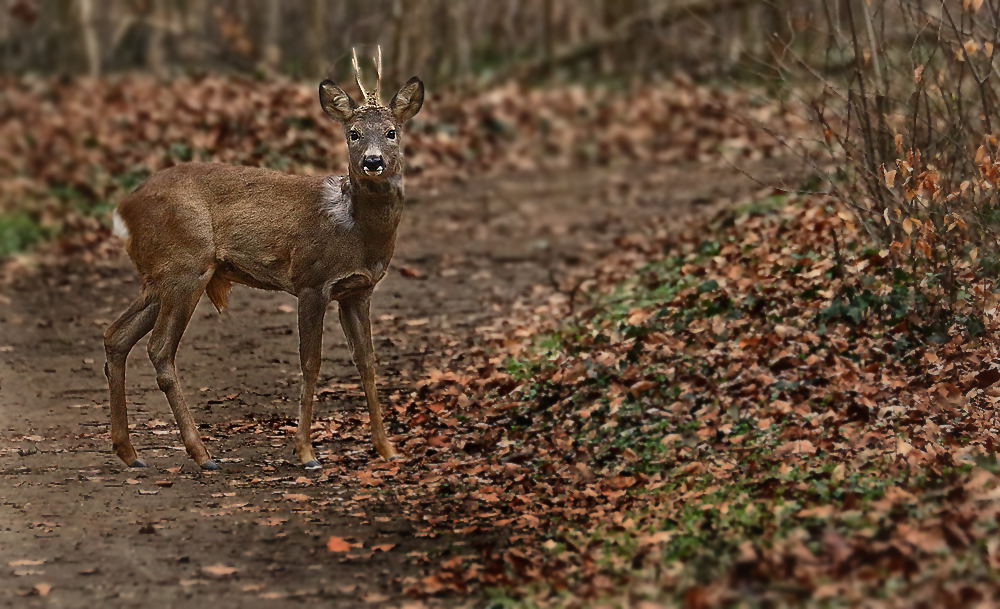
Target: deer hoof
column 210, row 466
column 312, row 464
column 138, row 463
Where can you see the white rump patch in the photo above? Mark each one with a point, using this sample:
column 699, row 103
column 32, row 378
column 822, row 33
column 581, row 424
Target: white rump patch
column 336, row 203
column 118, row 228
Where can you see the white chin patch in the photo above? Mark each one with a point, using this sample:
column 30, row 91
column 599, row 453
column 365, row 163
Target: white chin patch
column 377, row 172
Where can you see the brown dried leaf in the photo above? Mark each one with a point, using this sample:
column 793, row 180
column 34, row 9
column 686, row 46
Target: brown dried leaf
column 337, row 544
column 219, row 570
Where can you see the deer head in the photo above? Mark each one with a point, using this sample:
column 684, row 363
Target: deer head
column 373, row 131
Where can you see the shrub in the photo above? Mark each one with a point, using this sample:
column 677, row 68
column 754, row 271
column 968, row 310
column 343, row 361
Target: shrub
column 907, row 113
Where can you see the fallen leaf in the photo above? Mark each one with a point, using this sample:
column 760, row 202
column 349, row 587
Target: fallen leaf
column 336, row 544
column 987, row 378
column 655, row 538
column 271, row 522
column 219, row 570
column 41, row 589
column 820, row 511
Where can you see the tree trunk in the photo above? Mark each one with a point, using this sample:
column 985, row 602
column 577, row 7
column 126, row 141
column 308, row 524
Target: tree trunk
column 156, row 21
column 548, row 34
column 461, row 48
column 316, row 59
column 615, row 11
column 400, row 44
column 194, row 36
column 272, row 36
column 90, row 47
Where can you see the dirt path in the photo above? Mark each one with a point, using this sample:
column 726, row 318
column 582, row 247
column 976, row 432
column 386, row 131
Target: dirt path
column 114, row 537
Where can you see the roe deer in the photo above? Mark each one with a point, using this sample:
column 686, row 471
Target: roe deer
column 199, row 227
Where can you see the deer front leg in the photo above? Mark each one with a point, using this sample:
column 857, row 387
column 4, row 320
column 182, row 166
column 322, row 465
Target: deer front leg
column 355, row 318
column 312, row 310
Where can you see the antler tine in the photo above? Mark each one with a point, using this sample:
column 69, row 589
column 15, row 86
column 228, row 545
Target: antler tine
column 378, row 73
column 357, row 75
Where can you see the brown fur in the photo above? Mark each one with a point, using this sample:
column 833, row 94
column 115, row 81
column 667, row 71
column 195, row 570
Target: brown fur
column 199, row 228
column 218, row 290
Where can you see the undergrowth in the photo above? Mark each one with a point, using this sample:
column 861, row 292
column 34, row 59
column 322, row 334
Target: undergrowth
column 715, row 374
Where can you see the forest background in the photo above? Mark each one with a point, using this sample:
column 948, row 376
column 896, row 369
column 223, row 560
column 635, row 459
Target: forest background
column 676, row 380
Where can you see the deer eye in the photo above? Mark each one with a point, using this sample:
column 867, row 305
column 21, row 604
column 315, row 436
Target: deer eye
column 391, row 134
column 354, row 135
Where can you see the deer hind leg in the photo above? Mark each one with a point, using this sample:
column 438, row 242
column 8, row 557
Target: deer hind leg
column 355, row 318
column 119, row 339
column 176, row 308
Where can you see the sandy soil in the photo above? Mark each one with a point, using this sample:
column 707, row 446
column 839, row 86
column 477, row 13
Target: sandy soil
column 87, row 531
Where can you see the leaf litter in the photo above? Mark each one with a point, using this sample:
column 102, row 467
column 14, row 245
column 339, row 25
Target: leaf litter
column 112, row 133
column 740, row 409
column 733, row 411
column 729, row 410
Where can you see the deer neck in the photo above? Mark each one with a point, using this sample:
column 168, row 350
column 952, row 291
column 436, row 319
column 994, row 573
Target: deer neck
column 377, row 206
column 358, row 205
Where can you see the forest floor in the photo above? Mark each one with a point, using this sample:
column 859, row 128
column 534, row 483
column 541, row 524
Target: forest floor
column 78, row 529
column 619, row 370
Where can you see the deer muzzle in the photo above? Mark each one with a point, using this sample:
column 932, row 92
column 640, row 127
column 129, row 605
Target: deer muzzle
column 373, row 165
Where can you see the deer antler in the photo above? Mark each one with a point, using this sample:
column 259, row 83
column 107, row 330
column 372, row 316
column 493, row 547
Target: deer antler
column 357, row 75
column 378, row 73
column 370, row 97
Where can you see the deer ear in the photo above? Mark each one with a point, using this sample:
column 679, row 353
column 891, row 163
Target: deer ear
column 338, row 105
column 407, row 102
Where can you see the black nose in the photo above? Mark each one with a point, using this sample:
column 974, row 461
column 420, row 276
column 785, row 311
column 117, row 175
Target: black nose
column 372, row 163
